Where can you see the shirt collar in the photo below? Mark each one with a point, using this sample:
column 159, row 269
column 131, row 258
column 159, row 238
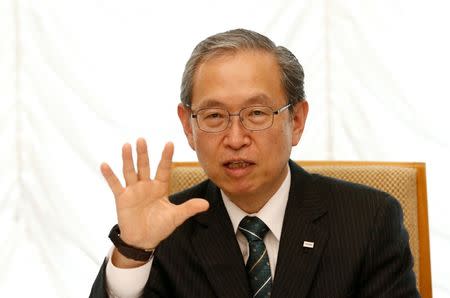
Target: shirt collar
column 272, row 213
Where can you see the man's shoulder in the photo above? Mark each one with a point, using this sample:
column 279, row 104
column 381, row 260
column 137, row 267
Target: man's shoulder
column 342, row 192
column 340, row 185
column 354, row 199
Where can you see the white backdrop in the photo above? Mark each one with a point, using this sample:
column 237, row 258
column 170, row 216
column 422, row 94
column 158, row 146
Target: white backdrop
column 80, row 78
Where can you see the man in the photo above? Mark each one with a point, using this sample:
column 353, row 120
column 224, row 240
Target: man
column 260, row 226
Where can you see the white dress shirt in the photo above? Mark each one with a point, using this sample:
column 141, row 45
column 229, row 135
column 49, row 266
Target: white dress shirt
column 129, row 283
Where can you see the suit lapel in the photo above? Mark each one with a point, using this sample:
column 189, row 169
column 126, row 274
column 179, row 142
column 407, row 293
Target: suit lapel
column 216, row 246
column 305, row 224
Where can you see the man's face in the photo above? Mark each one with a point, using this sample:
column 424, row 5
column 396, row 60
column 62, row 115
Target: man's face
column 249, row 166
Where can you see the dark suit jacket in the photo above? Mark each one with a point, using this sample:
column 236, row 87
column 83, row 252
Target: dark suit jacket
column 360, row 246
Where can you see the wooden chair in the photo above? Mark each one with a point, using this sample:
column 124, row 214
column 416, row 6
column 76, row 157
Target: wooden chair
column 406, row 181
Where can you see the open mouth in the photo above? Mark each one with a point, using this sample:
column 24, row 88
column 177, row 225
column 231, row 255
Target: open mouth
column 238, row 164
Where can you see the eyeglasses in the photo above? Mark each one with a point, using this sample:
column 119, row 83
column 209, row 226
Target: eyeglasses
column 252, row 118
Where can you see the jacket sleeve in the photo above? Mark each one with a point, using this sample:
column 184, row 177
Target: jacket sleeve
column 388, row 267
column 98, row 288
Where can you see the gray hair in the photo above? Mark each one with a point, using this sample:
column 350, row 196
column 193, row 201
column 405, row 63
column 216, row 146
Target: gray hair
column 241, row 39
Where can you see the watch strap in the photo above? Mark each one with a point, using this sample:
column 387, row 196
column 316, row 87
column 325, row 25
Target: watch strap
column 129, row 251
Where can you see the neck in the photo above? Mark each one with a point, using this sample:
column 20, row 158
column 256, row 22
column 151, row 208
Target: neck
column 250, row 205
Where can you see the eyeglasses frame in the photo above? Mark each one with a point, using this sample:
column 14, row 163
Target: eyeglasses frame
column 276, row 112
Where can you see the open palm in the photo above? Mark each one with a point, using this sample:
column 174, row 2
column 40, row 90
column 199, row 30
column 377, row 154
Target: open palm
column 145, row 214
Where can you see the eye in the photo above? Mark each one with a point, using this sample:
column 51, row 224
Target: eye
column 213, row 115
column 258, row 112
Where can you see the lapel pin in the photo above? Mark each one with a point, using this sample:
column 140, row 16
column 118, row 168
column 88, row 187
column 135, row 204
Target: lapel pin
column 308, row 244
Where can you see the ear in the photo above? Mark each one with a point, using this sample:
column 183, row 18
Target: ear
column 185, row 118
column 298, row 121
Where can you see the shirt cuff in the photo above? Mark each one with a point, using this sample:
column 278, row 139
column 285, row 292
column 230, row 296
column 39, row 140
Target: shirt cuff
column 126, row 282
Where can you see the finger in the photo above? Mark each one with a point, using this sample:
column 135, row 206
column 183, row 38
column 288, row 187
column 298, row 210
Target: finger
column 189, row 209
column 165, row 164
column 114, row 183
column 143, row 164
column 129, row 173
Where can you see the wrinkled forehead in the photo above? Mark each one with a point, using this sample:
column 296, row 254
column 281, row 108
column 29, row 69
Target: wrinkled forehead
column 238, row 79
column 254, row 100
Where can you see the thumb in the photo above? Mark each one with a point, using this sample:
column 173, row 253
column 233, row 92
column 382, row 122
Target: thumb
column 189, row 209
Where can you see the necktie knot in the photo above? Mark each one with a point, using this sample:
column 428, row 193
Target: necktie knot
column 253, row 228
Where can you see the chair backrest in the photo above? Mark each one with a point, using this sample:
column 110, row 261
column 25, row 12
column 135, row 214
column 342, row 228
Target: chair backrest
column 405, row 181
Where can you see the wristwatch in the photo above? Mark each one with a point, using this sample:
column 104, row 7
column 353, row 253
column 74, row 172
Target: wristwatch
column 129, row 251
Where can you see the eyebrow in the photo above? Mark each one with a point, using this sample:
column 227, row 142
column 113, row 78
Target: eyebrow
column 259, row 99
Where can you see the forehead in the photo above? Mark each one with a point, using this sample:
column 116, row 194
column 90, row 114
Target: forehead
column 258, row 99
column 236, row 79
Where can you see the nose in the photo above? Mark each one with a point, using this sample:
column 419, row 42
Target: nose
column 237, row 136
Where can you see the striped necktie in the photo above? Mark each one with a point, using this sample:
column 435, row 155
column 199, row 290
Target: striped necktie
column 258, row 267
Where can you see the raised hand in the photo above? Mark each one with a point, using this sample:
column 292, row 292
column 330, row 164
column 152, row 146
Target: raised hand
column 145, row 215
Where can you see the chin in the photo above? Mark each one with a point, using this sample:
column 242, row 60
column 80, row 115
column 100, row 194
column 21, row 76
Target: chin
column 238, row 188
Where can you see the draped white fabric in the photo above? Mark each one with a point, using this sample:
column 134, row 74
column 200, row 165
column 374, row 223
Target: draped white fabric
column 80, row 78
